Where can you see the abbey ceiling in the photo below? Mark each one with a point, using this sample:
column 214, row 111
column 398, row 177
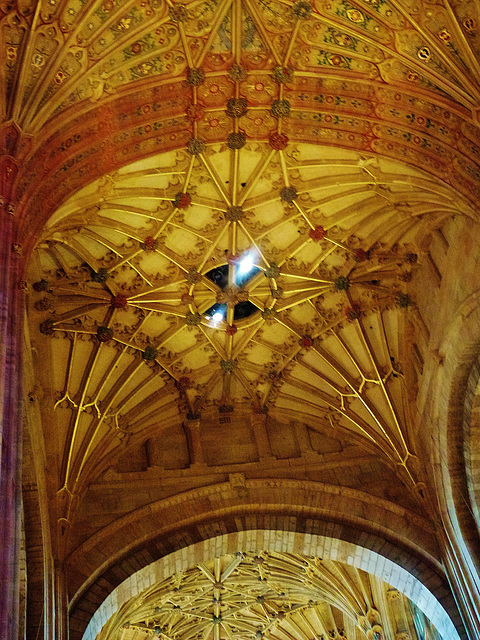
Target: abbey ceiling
column 236, row 218
column 277, row 595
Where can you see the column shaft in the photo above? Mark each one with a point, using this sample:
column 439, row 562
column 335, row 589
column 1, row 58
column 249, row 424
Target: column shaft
column 259, row 426
column 11, row 307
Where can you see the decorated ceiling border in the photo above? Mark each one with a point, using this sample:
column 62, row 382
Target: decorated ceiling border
column 109, row 138
column 385, row 79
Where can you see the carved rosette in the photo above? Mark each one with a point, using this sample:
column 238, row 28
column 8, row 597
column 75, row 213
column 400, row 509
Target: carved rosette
column 236, row 140
column 183, row 383
column 237, row 73
column 231, row 295
column 342, row 283
column 100, row 276
column 280, row 108
column 272, row 271
column 40, row 285
column 288, row 194
column 234, row 213
column 119, row 301
column 236, row 107
column 193, row 319
column 306, row 342
column 193, row 276
column 195, row 76
column 182, row 200
column 228, row 365
column 318, row 233
column 302, row 9
column 149, row 244
column 104, row 334
column 269, row 315
column 278, row 141
column 178, row 13
column 282, row 74
column 195, row 146
column 150, row 353
column 46, row 327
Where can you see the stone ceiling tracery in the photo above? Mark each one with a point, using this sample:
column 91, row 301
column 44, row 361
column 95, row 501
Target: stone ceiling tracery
column 270, row 596
column 122, row 290
column 157, row 144
column 93, row 86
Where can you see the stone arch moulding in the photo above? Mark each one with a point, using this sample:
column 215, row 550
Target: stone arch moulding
column 297, row 501
column 455, row 382
column 274, row 540
column 458, row 378
column 471, row 428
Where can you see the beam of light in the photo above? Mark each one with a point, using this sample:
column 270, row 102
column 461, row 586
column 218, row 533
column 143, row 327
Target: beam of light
column 217, row 316
column 246, row 264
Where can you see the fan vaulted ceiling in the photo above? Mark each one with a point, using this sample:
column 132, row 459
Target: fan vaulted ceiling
column 160, row 144
column 271, row 596
column 94, row 85
column 308, row 138
column 123, row 290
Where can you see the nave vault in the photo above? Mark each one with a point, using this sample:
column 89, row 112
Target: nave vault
column 240, row 319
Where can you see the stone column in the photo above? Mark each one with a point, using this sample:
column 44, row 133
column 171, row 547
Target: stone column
column 463, row 578
column 11, row 316
column 11, row 330
column 259, row 426
column 195, row 450
column 303, row 440
column 59, row 605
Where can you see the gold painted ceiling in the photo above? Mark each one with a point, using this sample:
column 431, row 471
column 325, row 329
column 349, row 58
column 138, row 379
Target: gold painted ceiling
column 92, row 86
column 275, row 596
column 323, row 141
column 156, row 145
column 123, row 290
